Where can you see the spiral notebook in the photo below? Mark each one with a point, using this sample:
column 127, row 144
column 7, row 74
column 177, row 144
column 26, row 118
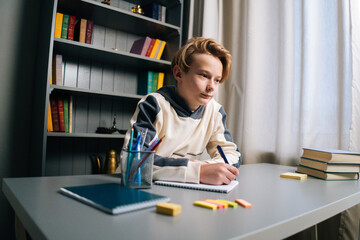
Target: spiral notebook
column 204, row 187
column 113, row 198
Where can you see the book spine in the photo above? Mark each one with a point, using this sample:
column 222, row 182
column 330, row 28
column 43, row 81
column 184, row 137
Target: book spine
column 58, row 25
column 149, row 82
column 155, row 48
column 61, row 114
column 49, row 123
column 163, row 14
column 82, row 30
column 151, row 46
column 65, row 26
column 54, row 113
column 58, row 69
column 160, row 80
column 71, row 28
column 146, row 46
column 89, row 30
column 70, row 113
column 161, row 50
column 66, row 113
column 154, row 81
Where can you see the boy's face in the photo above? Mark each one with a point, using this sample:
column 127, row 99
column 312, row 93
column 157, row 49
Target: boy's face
column 199, row 85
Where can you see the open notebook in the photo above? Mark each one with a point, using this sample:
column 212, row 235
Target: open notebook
column 113, row 198
column 204, row 187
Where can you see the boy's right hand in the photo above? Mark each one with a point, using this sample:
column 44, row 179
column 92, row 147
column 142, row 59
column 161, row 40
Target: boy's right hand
column 217, row 173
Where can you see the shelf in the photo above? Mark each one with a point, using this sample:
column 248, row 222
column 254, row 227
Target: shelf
column 113, row 17
column 84, row 135
column 128, row 60
column 58, row 88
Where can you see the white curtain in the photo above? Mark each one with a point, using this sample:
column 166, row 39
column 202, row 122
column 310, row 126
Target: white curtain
column 294, row 82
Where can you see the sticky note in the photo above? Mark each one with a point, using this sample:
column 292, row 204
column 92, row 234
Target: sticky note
column 205, row 205
column 231, row 204
column 219, row 206
column 225, row 205
column 298, row 176
column 243, row 203
column 171, row 209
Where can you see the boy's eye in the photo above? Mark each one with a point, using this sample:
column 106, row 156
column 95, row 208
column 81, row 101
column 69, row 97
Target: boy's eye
column 217, row 80
column 204, row 75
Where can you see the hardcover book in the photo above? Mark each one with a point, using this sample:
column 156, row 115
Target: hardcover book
column 161, row 50
column 151, row 46
column 160, row 80
column 155, row 48
column 327, row 175
column 71, row 28
column 89, row 30
column 49, row 123
column 60, row 106
column 65, row 26
column 66, row 113
column 54, row 113
column 113, row 198
column 58, row 25
column 330, row 167
column 331, row 155
column 145, row 83
column 155, row 81
column 141, row 46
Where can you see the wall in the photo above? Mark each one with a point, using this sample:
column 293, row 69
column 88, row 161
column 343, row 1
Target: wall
column 18, row 46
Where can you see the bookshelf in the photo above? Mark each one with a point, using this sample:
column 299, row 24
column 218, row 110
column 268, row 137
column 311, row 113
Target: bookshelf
column 101, row 77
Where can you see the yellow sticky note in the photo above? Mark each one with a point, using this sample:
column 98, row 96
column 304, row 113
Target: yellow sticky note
column 205, row 205
column 298, row 176
column 230, row 203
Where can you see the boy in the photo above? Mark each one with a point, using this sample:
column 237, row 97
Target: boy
column 189, row 120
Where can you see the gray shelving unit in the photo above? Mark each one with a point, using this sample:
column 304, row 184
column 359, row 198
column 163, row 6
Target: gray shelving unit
column 101, row 77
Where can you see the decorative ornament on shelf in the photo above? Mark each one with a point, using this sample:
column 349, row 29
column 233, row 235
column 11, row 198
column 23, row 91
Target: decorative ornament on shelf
column 137, row 9
column 107, row 2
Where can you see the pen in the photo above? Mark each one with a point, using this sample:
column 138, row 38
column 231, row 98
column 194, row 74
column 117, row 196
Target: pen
column 144, row 159
column 222, row 154
column 129, row 154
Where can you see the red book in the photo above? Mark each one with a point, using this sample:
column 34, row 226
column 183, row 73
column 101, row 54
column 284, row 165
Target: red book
column 71, row 28
column 54, row 113
column 150, row 47
column 89, row 29
column 60, row 106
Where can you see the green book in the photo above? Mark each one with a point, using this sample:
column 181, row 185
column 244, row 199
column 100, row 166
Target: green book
column 66, row 113
column 65, row 26
column 145, row 82
column 155, row 81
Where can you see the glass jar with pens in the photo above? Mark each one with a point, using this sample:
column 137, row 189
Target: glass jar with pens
column 137, row 162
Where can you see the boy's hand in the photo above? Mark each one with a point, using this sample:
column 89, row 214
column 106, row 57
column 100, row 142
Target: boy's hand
column 217, row 173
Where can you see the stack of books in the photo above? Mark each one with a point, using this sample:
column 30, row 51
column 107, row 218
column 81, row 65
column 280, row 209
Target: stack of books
column 330, row 164
column 149, row 47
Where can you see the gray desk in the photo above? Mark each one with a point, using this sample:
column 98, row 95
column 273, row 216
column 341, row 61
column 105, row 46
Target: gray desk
column 281, row 207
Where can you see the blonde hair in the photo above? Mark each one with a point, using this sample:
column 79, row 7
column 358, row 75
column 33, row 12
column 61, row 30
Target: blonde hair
column 201, row 45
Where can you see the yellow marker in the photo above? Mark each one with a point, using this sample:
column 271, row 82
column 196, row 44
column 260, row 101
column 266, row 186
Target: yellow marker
column 231, row 204
column 298, row 176
column 225, row 205
column 171, row 209
column 205, row 205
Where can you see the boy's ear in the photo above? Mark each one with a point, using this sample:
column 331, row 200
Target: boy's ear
column 177, row 73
